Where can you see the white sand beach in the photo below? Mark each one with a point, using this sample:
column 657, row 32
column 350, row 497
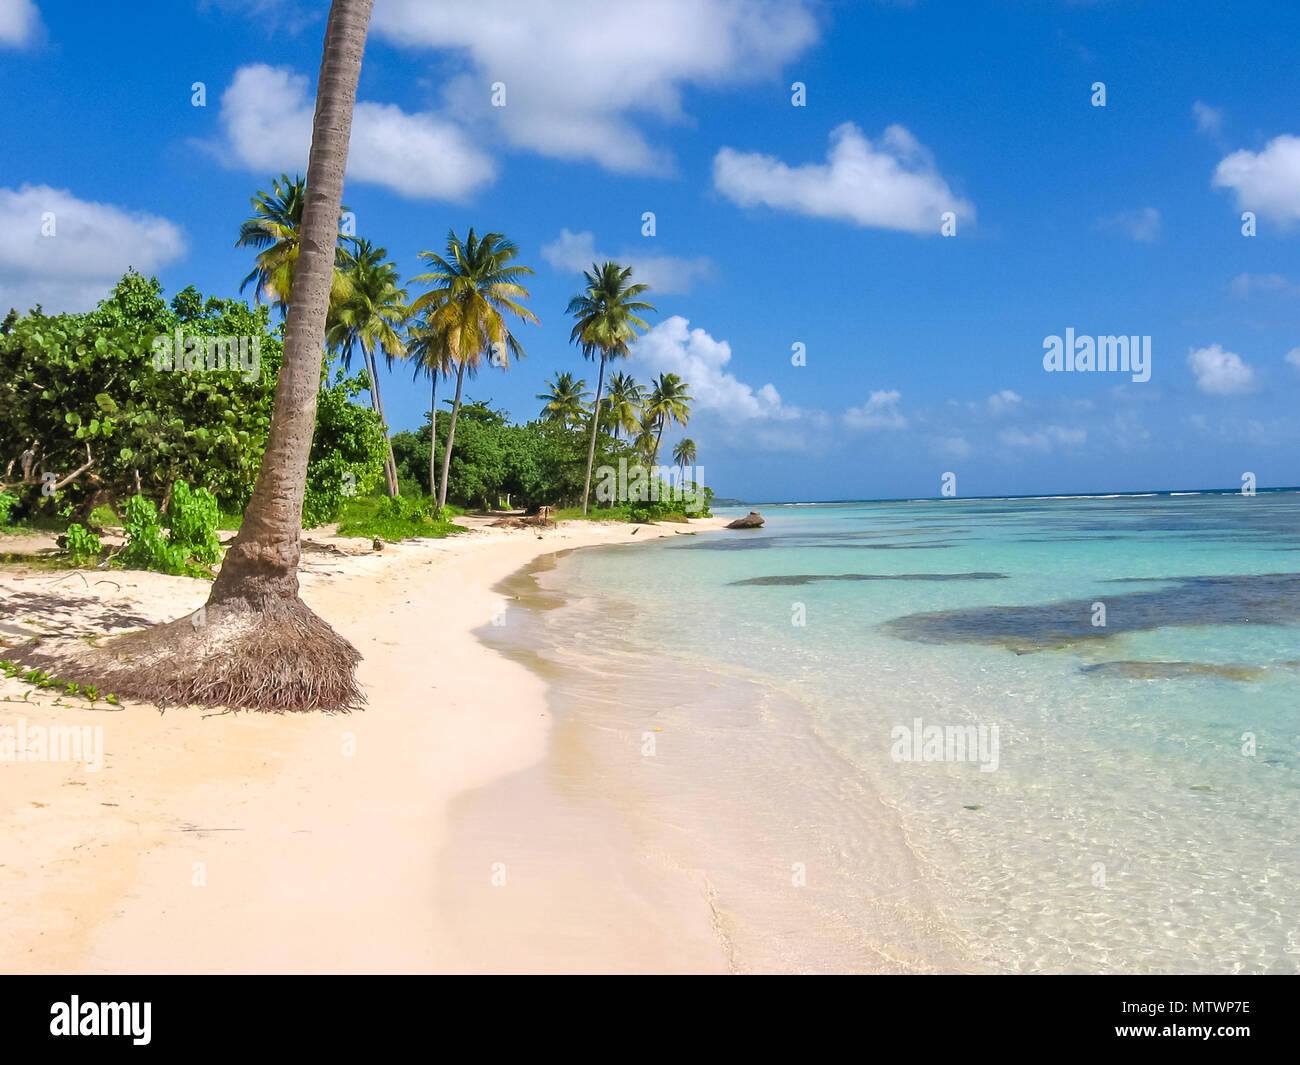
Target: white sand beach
column 249, row 842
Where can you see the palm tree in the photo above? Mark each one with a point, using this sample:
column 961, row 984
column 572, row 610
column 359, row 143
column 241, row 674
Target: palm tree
column 275, row 229
column 668, row 403
column 626, row 397
column 644, row 442
column 607, row 320
column 684, row 454
column 369, row 317
column 565, row 402
column 255, row 643
column 472, row 285
column 424, row 348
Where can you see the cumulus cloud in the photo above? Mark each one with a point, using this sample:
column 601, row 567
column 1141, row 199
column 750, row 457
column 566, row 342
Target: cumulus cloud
column 1245, row 286
column 1293, row 357
column 673, row 346
column 1266, row 182
column 879, row 412
column 1002, row 402
column 266, row 114
column 91, row 247
column 579, row 73
column 1219, row 372
column 889, row 184
column 1209, row 120
column 1142, row 225
column 572, row 253
column 20, row 23
column 1045, row 439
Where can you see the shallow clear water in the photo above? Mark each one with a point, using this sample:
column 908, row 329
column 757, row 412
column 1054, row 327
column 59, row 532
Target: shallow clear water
column 1126, row 826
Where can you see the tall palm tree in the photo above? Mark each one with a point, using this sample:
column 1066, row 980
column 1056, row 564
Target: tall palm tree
column 472, row 285
column 607, row 320
column 626, row 398
column 684, row 454
column 566, row 400
column 370, row 317
column 668, row 403
column 255, row 643
column 275, row 229
column 430, row 356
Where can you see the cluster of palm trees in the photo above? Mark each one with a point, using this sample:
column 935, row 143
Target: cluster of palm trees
column 630, row 407
column 463, row 321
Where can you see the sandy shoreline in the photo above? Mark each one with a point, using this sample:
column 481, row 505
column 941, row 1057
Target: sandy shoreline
column 264, row 843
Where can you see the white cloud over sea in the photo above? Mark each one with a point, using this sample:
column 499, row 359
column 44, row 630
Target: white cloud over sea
column 1219, row 372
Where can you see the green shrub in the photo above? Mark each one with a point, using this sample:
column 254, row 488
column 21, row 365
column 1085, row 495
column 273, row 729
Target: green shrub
column 191, row 519
column 145, row 546
column 81, row 545
column 191, row 544
column 7, row 503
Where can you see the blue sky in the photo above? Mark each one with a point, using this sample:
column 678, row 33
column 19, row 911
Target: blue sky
column 775, row 224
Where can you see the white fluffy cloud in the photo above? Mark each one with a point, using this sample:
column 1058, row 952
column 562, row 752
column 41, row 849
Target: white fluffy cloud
column 1293, row 357
column 1266, row 182
column 880, row 411
column 20, row 21
column 576, row 72
column 267, row 115
column 673, row 346
column 91, row 247
column 889, row 184
column 1045, row 439
column 574, row 252
column 1219, row 372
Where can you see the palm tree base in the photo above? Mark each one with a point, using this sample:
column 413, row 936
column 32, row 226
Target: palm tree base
column 278, row 657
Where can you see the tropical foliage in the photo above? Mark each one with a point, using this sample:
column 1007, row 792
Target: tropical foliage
column 565, row 400
column 607, row 317
column 474, row 286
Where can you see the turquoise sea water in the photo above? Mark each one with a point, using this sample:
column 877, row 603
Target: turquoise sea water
column 1143, row 812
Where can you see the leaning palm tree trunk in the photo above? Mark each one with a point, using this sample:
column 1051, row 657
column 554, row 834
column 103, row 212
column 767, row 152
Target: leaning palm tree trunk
column 595, row 423
column 433, row 437
column 451, row 437
column 255, row 643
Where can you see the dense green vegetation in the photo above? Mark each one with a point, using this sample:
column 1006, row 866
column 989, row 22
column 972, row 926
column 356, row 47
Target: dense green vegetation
column 88, row 418
column 499, row 464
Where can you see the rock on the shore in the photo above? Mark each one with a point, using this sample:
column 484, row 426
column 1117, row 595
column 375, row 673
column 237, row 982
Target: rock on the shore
column 752, row 520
